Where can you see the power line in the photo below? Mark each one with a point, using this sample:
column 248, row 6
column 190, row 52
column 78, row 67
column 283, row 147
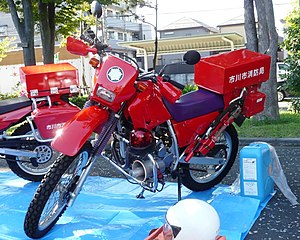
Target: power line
column 210, row 10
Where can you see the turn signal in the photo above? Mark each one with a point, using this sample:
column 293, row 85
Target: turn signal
column 140, row 86
column 94, row 62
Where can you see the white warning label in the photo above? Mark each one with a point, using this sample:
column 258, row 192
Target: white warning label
column 249, row 169
column 250, row 189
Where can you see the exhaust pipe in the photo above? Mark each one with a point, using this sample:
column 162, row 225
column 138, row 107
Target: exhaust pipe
column 18, row 153
column 142, row 170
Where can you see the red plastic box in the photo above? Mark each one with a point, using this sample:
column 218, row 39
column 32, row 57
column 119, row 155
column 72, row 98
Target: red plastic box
column 254, row 103
column 49, row 79
column 226, row 72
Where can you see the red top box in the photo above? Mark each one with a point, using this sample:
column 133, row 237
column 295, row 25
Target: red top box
column 226, row 72
column 49, row 79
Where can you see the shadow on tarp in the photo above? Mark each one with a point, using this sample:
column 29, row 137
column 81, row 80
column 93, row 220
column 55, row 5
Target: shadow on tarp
column 108, row 209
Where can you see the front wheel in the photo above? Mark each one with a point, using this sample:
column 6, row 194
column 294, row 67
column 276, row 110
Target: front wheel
column 51, row 198
column 203, row 177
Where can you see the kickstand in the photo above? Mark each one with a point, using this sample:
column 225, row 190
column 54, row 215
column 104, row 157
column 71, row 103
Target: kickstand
column 179, row 184
column 141, row 194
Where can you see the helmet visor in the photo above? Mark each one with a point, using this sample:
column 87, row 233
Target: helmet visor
column 169, row 231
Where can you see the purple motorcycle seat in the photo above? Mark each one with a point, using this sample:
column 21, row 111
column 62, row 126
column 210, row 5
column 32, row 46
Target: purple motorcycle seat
column 195, row 104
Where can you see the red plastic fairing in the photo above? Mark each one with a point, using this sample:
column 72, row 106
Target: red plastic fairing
column 147, row 109
column 76, row 132
column 49, row 120
column 187, row 130
column 117, row 77
column 13, row 117
column 170, row 92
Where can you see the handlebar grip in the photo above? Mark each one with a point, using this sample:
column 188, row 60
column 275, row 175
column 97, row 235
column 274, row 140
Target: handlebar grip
column 100, row 46
column 87, row 39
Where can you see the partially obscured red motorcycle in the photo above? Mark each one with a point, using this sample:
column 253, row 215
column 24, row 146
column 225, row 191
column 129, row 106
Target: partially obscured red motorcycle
column 152, row 128
column 35, row 116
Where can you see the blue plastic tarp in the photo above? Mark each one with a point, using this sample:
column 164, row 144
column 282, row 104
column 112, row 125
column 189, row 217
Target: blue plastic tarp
column 107, row 208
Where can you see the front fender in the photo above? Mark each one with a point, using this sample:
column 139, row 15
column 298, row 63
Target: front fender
column 78, row 129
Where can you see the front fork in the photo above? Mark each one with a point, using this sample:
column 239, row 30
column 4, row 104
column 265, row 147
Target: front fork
column 99, row 146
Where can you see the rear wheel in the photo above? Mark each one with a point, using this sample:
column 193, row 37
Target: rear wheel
column 51, row 198
column 23, row 166
column 203, row 177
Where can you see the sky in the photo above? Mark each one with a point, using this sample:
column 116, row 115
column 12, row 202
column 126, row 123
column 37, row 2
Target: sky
column 211, row 12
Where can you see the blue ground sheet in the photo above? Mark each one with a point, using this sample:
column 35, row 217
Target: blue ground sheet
column 107, row 209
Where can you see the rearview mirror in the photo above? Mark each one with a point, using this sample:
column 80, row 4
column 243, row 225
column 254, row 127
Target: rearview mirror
column 191, row 57
column 96, row 9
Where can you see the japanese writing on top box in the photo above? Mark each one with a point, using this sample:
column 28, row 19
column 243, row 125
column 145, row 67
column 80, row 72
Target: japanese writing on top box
column 248, row 74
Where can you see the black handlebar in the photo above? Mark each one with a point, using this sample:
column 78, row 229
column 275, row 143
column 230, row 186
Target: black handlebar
column 96, row 43
column 87, row 39
column 100, row 46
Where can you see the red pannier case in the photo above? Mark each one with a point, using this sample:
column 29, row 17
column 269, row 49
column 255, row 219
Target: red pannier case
column 49, row 79
column 223, row 73
column 254, row 103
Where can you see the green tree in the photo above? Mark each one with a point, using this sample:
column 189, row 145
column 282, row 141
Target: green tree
column 262, row 37
column 292, row 45
column 4, row 47
column 22, row 15
column 54, row 18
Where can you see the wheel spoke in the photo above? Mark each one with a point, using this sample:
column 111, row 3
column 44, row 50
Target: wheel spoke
column 53, row 194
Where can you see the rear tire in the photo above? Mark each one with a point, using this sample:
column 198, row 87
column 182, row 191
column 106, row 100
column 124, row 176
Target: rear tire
column 26, row 170
column 208, row 176
column 51, row 198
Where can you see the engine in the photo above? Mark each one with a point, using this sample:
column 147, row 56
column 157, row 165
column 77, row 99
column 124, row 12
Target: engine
column 149, row 156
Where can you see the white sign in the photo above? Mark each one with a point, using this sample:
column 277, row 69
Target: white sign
column 249, row 169
column 245, row 75
column 250, row 189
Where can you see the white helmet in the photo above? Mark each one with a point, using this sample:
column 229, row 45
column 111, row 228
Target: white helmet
column 191, row 219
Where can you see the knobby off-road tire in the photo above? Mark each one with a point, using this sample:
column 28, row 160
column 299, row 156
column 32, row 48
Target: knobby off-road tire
column 211, row 175
column 26, row 170
column 52, row 195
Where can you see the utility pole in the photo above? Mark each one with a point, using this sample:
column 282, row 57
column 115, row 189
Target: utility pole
column 104, row 25
column 156, row 37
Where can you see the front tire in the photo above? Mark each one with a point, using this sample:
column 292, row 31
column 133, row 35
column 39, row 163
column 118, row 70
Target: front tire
column 51, row 198
column 203, row 177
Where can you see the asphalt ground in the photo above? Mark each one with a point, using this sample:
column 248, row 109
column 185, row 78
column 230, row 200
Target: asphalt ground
column 279, row 219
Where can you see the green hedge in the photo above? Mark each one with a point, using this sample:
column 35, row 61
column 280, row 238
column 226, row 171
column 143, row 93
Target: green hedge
column 79, row 100
column 8, row 95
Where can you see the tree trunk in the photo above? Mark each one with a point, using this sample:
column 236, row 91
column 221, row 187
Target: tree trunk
column 25, row 30
column 263, row 30
column 267, row 43
column 47, row 26
column 250, row 26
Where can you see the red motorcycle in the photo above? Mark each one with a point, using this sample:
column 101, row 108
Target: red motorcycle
column 153, row 129
column 35, row 116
